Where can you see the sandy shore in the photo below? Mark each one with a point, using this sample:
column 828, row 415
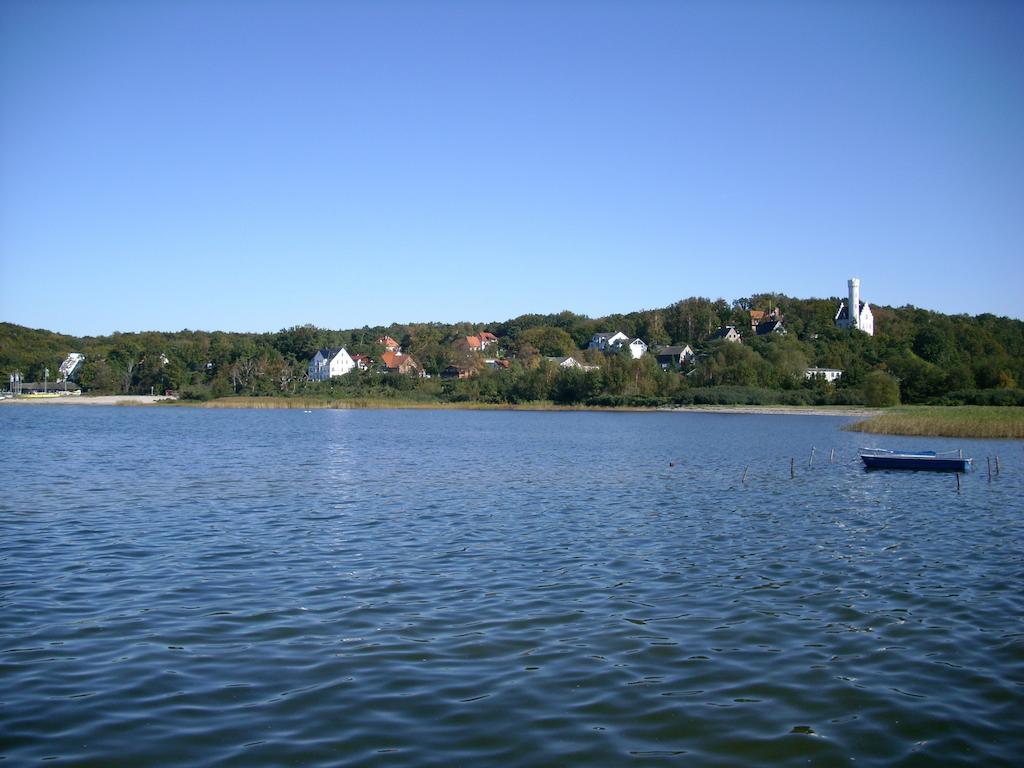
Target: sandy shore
column 782, row 410
column 88, row 400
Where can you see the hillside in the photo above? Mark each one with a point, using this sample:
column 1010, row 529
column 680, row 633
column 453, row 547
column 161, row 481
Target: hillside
column 935, row 357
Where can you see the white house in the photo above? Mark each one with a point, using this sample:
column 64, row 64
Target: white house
column 856, row 314
column 572, row 362
column 70, row 365
column 831, row 375
column 613, row 342
column 728, row 333
column 673, row 357
column 564, row 362
column 637, row 348
column 603, row 341
column 328, row 363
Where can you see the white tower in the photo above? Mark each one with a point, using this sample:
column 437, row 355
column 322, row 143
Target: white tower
column 853, row 308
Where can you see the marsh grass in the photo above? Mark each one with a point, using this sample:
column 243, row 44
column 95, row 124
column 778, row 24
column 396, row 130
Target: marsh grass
column 946, row 421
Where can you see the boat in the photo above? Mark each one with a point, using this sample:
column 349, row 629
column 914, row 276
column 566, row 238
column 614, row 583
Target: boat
column 943, row 461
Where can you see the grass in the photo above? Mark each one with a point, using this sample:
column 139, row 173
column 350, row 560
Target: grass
column 983, row 421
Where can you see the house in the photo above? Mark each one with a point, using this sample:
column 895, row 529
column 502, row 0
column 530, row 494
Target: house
column 764, row 323
column 856, row 314
column 70, row 366
column 457, row 372
column 363, row 362
column 756, row 316
column 673, row 357
column 395, row 362
column 469, row 343
column 570, row 363
column 771, row 326
column 564, row 362
column 498, row 365
column 637, row 348
column 476, row 343
column 610, row 343
column 831, row 375
column 328, row 363
column 726, row 333
column 390, row 344
column 603, row 341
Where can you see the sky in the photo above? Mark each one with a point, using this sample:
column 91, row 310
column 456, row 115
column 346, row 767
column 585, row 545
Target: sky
column 250, row 166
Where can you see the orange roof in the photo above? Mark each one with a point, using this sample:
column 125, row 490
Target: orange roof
column 488, row 336
column 473, row 342
column 394, row 361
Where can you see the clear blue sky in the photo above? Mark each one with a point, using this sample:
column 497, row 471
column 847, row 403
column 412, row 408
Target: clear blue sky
column 256, row 165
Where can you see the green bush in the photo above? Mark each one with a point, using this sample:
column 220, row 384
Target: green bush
column 881, row 390
column 1003, row 397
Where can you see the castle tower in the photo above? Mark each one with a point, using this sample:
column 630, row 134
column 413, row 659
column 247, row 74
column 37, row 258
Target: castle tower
column 854, row 305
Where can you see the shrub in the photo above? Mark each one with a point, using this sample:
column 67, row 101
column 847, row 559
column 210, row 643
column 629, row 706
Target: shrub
column 881, row 390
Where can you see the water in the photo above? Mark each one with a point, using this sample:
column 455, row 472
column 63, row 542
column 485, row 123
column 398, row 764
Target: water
column 428, row 588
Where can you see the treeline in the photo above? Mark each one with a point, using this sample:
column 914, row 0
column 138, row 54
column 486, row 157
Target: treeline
column 934, row 358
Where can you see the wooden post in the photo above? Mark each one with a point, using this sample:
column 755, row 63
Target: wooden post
column 832, row 456
column 792, row 468
column 988, row 460
column 997, row 466
column 958, row 482
column 810, row 461
column 744, row 478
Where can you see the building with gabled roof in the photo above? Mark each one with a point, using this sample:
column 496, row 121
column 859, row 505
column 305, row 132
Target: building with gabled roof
column 603, row 341
column 673, row 356
column 771, row 326
column 395, row 362
column 328, row 363
column 727, row 333
column 389, row 344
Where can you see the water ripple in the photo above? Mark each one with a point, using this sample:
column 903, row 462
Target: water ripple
column 438, row 588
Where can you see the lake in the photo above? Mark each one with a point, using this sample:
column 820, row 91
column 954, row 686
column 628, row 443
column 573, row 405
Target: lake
column 436, row 588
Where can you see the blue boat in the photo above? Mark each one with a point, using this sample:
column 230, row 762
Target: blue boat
column 930, row 461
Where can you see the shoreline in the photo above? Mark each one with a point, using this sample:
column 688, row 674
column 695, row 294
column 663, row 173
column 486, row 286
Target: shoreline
column 125, row 400
column 978, row 422
column 286, row 404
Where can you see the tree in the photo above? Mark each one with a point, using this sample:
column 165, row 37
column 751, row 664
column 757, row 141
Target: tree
column 549, row 341
column 881, row 390
column 126, row 356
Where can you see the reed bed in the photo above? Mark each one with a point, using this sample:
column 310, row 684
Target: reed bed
column 979, row 421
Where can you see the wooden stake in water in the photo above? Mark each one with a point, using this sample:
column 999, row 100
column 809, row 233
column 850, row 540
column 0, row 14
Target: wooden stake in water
column 832, row 456
column 792, row 468
column 744, row 478
column 997, row 466
column 989, row 461
column 810, row 461
column 958, row 482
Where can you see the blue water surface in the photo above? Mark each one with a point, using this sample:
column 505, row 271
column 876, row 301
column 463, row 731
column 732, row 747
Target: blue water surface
column 434, row 588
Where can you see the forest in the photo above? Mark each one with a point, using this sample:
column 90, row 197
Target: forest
column 915, row 356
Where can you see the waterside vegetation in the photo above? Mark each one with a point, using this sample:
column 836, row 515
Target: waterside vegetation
column 964, row 421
